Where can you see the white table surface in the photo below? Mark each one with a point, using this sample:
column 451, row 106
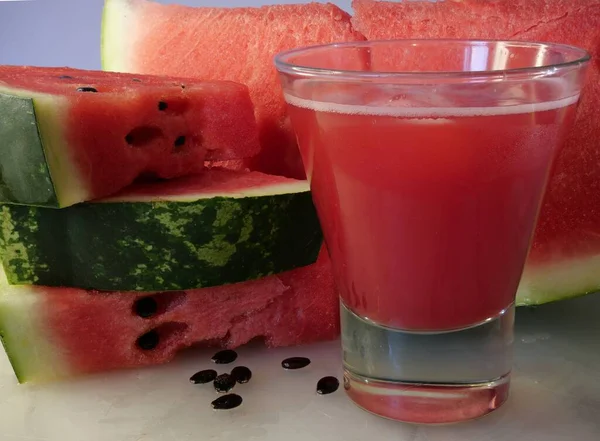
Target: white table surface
column 555, row 396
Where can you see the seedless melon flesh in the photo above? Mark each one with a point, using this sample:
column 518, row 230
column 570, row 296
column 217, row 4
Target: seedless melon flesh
column 565, row 257
column 70, row 135
column 235, row 44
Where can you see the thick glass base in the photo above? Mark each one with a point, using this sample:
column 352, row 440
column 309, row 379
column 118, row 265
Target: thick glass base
column 426, row 403
column 433, row 378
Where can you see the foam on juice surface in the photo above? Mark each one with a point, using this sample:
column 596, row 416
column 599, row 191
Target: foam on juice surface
column 428, row 112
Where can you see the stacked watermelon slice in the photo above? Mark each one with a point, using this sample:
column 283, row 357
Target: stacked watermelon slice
column 132, row 226
column 146, row 212
column 118, row 245
column 565, row 256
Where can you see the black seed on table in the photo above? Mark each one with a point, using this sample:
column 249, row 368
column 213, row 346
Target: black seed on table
column 162, row 106
column 295, row 363
column 224, row 357
column 145, row 307
column 203, row 377
column 179, row 141
column 327, row 385
column 224, row 383
column 148, row 341
column 241, row 374
column 86, row 89
column 65, row 77
column 227, row 402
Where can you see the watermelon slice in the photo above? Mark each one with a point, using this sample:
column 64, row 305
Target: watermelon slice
column 71, row 135
column 193, row 232
column 565, row 257
column 237, row 44
column 55, row 333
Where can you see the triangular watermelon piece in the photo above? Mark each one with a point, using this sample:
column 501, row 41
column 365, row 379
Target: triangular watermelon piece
column 71, row 135
column 56, row 333
column 235, row 44
column 565, row 258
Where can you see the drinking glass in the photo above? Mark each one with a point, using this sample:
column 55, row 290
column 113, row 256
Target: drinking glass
column 428, row 161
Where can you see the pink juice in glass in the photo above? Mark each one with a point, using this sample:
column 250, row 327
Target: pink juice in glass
column 428, row 213
column 428, row 161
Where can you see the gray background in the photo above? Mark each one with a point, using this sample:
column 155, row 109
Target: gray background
column 67, row 32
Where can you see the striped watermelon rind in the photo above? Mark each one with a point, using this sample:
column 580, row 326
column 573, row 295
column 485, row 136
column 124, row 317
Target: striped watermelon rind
column 31, row 173
column 161, row 242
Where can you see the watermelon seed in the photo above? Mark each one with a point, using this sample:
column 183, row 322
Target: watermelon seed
column 146, row 307
column 203, row 377
column 227, row 402
column 224, row 383
column 180, row 141
column 224, row 357
column 140, row 136
column 176, row 106
column 327, row 385
column 86, row 89
column 65, row 77
column 136, row 80
column 293, row 363
column 148, row 341
column 241, row 374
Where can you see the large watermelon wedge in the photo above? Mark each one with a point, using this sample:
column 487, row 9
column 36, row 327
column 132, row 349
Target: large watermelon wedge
column 197, row 231
column 235, row 44
column 55, row 333
column 69, row 135
column 565, row 257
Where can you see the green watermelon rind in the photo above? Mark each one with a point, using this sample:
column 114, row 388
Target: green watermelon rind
column 114, row 15
column 539, row 298
column 35, row 168
column 30, row 352
column 162, row 245
column 23, row 157
column 560, row 280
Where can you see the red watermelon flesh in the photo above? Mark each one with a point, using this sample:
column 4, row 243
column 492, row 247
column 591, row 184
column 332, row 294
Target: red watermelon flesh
column 213, row 182
column 565, row 256
column 53, row 333
column 308, row 315
column 484, row 19
column 236, row 44
column 121, row 126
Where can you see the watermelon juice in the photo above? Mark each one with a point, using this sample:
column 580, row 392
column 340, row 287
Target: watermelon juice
column 428, row 213
column 428, row 161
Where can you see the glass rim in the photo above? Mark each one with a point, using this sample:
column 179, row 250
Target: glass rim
column 283, row 64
